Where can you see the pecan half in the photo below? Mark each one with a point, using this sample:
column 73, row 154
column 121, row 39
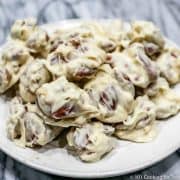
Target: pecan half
column 58, row 58
column 85, row 72
column 66, row 111
column 148, row 65
column 109, row 98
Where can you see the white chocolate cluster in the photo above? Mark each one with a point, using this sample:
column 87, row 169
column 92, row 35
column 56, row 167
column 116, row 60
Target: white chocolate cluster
column 97, row 81
column 91, row 141
column 35, row 75
column 139, row 126
column 26, row 125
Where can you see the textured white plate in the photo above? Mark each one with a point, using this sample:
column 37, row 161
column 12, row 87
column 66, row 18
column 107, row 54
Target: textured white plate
column 127, row 157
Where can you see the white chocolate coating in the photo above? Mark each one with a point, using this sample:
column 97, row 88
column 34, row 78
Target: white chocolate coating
column 143, row 30
column 134, row 65
column 169, row 65
column 139, row 126
column 34, row 76
column 76, row 58
column 166, row 101
column 64, row 100
column 112, row 101
column 26, row 126
column 91, row 142
column 38, row 42
column 22, row 29
column 14, row 59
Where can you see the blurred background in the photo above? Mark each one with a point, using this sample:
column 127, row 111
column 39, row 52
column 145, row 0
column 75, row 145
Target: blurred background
column 164, row 13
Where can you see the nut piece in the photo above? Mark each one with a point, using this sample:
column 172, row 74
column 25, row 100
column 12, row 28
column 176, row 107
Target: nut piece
column 152, row 50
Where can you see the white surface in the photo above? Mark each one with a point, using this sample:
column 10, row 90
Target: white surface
column 127, row 157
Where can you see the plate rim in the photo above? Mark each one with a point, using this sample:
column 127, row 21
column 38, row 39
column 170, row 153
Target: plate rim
column 78, row 174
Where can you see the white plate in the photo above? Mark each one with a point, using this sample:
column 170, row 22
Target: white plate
column 127, row 157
